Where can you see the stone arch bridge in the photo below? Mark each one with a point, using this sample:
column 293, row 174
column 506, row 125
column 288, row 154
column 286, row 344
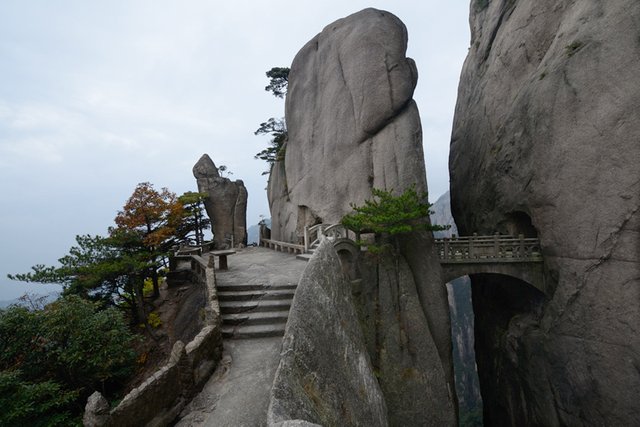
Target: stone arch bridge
column 515, row 256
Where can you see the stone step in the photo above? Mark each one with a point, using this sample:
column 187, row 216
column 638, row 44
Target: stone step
column 228, row 307
column 253, row 331
column 259, row 287
column 255, row 318
column 304, row 257
column 265, row 294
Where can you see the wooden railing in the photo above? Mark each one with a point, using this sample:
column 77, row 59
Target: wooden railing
column 497, row 248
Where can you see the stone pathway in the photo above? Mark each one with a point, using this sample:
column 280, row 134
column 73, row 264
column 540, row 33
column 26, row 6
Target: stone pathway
column 255, row 310
column 255, row 296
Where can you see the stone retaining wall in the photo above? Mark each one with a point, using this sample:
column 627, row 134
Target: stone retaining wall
column 159, row 400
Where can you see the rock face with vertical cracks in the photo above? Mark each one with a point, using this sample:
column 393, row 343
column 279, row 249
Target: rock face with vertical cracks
column 325, row 374
column 352, row 123
column 226, row 204
column 354, row 126
column 546, row 141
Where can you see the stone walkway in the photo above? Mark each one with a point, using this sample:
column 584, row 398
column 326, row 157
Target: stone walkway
column 238, row 392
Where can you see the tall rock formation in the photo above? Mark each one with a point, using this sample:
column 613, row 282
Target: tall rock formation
column 352, row 123
column 353, row 126
column 226, row 204
column 546, row 141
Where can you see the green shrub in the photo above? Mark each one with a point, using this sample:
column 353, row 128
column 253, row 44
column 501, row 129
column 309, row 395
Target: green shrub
column 387, row 215
column 21, row 341
column 481, row 4
column 154, row 320
column 390, row 214
column 147, row 288
column 44, row 403
column 91, row 347
column 52, row 359
column 573, row 48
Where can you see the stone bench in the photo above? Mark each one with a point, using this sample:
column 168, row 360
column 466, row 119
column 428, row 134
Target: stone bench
column 222, row 257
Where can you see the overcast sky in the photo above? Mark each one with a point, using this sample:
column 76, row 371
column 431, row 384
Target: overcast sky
column 97, row 96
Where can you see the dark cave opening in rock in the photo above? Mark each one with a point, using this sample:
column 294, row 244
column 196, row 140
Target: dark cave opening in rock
column 516, row 223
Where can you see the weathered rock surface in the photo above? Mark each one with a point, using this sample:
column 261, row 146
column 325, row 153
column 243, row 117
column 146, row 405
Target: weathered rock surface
column 351, row 120
column 391, row 301
column 546, row 140
column 96, row 412
column 353, row 126
column 226, row 204
column 325, row 375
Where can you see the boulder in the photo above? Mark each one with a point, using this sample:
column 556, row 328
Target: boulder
column 390, row 302
column 545, row 142
column 96, row 411
column 353, row 126
column 352, row 123
column 325, row 375
column 226, row 204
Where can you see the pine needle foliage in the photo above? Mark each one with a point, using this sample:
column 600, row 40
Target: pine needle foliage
column 277, row 128
column 388, row 216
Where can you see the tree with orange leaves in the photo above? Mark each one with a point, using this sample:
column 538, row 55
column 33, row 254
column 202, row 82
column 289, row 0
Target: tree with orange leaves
column 151, row 218
column 113, row 269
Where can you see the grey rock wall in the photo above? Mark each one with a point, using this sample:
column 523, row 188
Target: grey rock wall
column 396, row 309
column 351, row 120
column 546, row 140
column 325, row 374
column 226, row 204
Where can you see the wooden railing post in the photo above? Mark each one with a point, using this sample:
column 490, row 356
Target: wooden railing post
column 496, row 245
column 306, row 238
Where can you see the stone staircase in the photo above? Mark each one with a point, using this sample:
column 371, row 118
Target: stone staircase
column 254, row 311
column 307, row 255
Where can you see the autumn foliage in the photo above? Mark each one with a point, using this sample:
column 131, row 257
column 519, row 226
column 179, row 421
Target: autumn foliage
column 153, row 215
column 113, row 269
column 51, row 358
